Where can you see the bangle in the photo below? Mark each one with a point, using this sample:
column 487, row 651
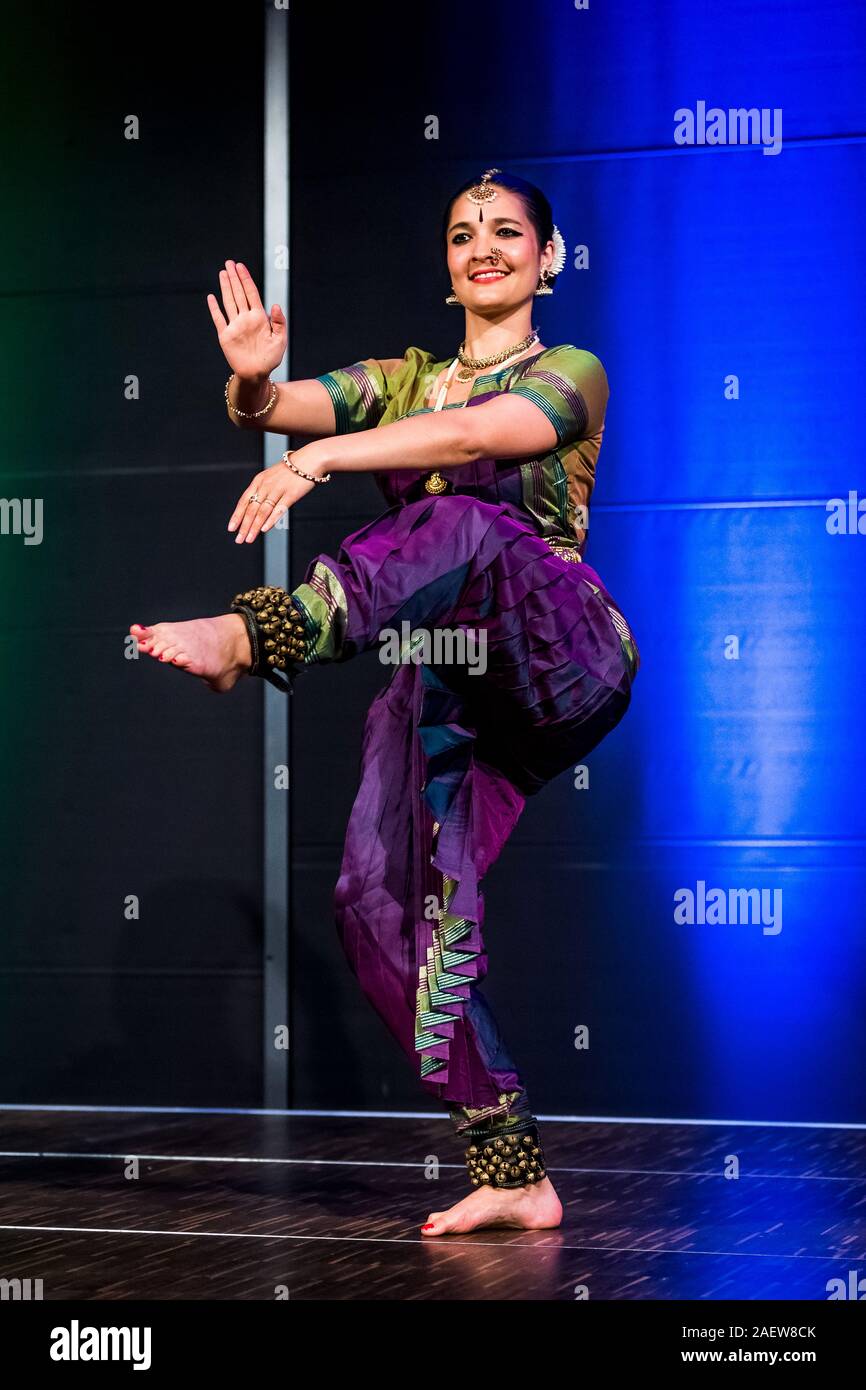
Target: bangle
column 325, row 478
column 250, row 415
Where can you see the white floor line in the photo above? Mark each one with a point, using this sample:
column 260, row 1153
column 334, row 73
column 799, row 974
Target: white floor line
column 552, row 1246
column 419, row 1163
column 425, row 1115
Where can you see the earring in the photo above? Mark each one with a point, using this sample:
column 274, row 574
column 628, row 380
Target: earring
column 557, row 264
column 451, row 298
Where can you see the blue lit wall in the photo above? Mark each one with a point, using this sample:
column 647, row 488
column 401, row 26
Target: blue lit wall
column 710, row 523
column 742, row 761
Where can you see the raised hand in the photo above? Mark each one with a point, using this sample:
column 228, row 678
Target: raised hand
column 253, row 343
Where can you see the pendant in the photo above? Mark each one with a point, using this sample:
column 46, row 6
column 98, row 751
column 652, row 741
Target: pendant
column 465, row 374
column 435, row 482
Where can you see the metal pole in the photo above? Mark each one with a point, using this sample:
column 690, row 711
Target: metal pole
column 276, row 565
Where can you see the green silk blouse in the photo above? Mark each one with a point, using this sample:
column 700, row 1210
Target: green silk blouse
column 568, row 384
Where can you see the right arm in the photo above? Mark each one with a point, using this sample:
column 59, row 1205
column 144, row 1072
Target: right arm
column 254, row 344
column 302, row 407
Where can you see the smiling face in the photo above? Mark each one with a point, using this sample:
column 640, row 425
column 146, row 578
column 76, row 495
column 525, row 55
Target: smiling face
column 496, row 262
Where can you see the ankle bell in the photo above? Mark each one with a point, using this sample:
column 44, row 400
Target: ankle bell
column 506, row 1158
column 277, row 632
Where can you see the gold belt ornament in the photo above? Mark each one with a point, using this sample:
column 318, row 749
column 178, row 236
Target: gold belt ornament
column 435, row 482
column 565, row 552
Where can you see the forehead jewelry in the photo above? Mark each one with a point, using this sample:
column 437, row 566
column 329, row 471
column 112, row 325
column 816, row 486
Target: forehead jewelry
column 481, row 193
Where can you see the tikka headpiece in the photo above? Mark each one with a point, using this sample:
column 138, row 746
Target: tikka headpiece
column 483, row 192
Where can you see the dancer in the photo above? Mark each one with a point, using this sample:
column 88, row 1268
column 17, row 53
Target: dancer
column 512, row 659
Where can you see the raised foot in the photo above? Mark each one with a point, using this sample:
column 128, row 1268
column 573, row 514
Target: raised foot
column 534, row 1208
column 215, row 649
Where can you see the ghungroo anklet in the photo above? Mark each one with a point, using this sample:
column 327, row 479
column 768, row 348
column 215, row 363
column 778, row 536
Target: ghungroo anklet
column 506, row 1158
column 277, row 632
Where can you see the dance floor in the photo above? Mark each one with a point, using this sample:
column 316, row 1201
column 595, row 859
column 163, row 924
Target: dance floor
column 186, row 1205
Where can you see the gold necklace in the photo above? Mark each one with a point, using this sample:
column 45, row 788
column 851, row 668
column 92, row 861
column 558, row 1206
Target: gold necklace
column 434, row 482
column 471, row 365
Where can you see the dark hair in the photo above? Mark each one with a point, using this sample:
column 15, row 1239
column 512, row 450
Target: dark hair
column 537, row 207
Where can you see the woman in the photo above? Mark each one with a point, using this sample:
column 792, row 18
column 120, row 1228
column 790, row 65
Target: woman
column 482, row 543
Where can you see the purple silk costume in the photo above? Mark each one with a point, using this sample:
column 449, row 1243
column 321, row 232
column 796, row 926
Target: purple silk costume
column 450, row 754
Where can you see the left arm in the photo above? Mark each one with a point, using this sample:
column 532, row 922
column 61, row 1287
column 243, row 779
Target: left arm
column 507, row 427
column 560, row 399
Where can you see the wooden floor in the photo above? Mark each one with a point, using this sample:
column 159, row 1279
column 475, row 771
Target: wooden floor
column 234, row 1206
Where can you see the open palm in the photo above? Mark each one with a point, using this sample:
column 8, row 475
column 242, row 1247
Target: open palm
column 253, row 343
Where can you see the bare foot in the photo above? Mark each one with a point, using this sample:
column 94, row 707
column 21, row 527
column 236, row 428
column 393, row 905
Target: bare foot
column 535, row 1208
column 216, row 649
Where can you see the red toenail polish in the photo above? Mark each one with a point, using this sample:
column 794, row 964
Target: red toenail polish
column 428, row 1227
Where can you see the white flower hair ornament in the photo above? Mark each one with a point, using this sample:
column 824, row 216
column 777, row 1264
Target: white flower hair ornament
column 558, row 262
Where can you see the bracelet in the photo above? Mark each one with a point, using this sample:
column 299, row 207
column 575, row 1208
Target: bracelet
column 246, row 414
column 325, row 478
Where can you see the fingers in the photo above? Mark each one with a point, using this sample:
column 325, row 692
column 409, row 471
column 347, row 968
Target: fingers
column 238, row 292
column 229, row 304
column 274, row 514
column 249, row 285
column 256, row 514
column 244, row 502
column 275, row 491
column 261, row 515
column 246, row 522
column 215, row 313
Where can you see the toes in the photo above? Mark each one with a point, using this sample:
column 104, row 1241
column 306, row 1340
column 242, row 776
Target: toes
column 439, row 1223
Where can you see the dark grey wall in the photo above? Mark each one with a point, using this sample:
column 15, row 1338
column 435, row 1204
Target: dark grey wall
column 123, row 777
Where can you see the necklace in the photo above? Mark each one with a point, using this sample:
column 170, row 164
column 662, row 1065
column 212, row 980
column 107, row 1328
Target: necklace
column 471, row 365
column 501, row 358
column 435, row 482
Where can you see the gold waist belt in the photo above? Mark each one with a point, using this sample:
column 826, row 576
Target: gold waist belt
column 566, row 552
